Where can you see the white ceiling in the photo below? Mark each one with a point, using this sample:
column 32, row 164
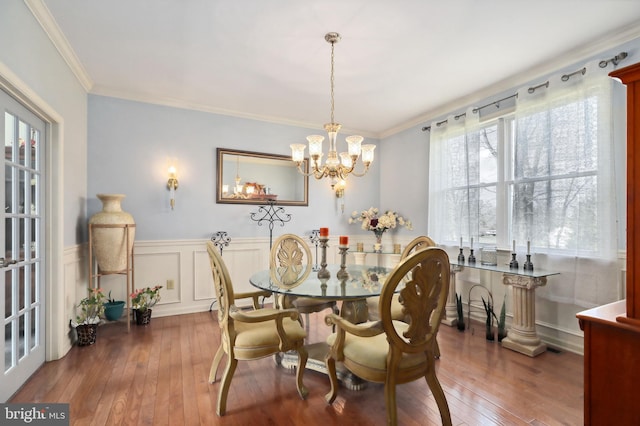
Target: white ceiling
column 398, row 63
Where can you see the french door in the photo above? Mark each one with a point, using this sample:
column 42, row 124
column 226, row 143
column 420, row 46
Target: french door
column 21, row 245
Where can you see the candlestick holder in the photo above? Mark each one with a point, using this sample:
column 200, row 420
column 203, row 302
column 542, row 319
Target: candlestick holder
column 461, row 256
column 323, row 272
column 472, row 258
column 514, row 263
column 342, row 273
column 528, row 266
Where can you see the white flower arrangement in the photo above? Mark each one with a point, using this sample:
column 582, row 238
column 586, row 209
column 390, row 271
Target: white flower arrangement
column 372, row 221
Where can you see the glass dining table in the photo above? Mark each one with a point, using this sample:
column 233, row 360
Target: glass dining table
column 361, row 282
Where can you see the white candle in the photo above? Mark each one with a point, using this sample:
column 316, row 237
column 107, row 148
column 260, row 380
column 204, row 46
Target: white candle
column 460, row 242
column 528, row 247
column 471, row 243
column 514, row 246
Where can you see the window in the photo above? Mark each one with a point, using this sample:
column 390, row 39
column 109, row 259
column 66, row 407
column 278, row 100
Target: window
column 543, row 173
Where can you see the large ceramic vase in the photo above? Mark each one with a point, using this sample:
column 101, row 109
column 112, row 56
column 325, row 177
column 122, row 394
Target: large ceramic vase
column 109, row 244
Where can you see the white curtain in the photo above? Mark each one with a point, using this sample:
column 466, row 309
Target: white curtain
column 560, row 183
column 449, row 206
column 564, row 195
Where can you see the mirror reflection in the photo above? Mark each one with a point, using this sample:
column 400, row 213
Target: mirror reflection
column 246, row 177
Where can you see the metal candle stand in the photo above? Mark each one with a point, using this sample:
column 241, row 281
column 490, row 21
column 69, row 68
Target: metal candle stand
column 323, row 272
column 315, row 234
column 461, row 256
column 342, row 273
column 270, row 214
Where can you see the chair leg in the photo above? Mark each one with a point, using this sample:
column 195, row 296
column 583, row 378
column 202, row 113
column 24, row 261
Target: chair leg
column 390, row 392
column 333, row 379
column 303, row 356
column 226, row 384
column 438, row 394
column 215, row 364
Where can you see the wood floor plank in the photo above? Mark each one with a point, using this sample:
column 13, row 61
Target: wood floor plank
column 158, row 375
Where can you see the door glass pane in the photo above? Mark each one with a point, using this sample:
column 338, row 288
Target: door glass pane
column 8, row 295
column 8, row 353
column 21, row 343
column 35, row 138
column 33, row 320
column 8, row 190
column 24, row 142
column 9, row 136
column 21, row 288
column 22, row 191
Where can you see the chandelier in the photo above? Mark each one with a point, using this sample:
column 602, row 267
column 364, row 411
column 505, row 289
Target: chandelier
column 333, row 168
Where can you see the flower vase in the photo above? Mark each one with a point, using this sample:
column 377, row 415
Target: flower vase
column 86, row 334
column 142, row 317
column 377, row 247
column 109, row 235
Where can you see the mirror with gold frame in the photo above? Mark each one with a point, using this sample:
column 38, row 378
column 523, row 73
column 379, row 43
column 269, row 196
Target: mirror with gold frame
column 246, row 177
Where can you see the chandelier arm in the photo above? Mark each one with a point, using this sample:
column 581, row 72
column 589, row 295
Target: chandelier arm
column 302, row 171
column 364, row 172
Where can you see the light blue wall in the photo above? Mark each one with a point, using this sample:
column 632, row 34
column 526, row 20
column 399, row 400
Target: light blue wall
column 28, row 53
column 403, row 184
column 129, row 143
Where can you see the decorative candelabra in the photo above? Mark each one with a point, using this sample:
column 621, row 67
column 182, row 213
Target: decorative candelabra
column 323, row 272
column 342, row 273
column 461, row 256
column 514, row 263
column 220, row 239
column 271, row 214
column 314, row 237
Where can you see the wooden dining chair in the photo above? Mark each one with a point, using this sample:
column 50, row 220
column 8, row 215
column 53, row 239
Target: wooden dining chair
column 417, row 243
column 290, row 253
column 249, row 335
column 395, row 352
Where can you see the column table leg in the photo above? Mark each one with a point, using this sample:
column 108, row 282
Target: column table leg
column 522, row 336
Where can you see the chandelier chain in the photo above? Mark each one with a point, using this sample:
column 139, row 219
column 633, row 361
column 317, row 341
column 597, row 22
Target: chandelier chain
column 332, row 83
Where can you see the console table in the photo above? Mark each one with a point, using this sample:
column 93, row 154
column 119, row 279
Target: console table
column 522, row 336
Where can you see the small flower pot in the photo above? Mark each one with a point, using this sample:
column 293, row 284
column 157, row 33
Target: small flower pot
column 142, row 317
column 113, row 310
column 86, row 334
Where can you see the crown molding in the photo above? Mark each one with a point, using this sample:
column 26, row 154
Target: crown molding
column 42, row 14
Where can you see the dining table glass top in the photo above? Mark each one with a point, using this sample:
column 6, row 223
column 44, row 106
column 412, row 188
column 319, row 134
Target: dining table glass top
column 362, row 281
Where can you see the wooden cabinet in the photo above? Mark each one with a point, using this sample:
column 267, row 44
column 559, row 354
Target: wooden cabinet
column 612, row 332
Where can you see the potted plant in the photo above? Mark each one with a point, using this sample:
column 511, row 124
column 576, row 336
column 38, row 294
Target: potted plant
column 113, row 308
column 488, row 307
column 86, row 324
column 502, row 331
column 460, row 322
column 142, row 300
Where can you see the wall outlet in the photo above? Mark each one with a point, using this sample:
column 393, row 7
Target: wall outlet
column 170, row 285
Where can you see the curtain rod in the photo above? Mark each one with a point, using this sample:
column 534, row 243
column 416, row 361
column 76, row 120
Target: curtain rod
column 603, row 64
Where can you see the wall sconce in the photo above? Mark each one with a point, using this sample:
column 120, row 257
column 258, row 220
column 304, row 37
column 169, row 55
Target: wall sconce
column 172, row 183
column 339, row 188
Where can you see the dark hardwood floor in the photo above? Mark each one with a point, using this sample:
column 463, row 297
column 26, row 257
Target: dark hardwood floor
column 158, row 375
